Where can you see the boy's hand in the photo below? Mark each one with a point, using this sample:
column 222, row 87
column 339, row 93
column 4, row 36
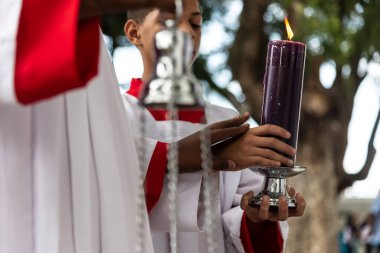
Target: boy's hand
column 189, row 148
column 256, row 148
column 256, row 215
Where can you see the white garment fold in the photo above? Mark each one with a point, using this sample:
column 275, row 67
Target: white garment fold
column 232, row 185
column 68, row 173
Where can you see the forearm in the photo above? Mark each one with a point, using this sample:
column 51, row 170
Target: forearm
column 92, row 8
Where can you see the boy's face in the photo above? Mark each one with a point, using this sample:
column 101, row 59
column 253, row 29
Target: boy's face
column 143, row 36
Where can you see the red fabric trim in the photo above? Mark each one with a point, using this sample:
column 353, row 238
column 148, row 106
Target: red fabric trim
column 135, row 87
column 261, row 237
column 55, row 52
column 189, row 115
column 244, row 235
column 196, row 115
column 154, row 179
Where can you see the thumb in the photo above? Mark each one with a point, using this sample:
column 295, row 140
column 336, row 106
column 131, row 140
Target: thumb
column 221, row 164
column 245, row 200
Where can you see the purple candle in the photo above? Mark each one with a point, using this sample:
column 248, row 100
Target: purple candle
column 283, row 82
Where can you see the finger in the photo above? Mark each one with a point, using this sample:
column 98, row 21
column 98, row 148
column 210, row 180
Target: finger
column 271, row 155
column 291, row 191
column 244, row 115
column 221, row 164
column 234, row 122
column 258, row 161
column 218, row 135
column 301, row 206
column 244, row 203
column 264, row 208
column 282, row 209
column 274, row 130
column 276, row 144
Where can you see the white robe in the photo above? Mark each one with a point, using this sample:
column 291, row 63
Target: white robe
column 232, row 185
column 68, row 165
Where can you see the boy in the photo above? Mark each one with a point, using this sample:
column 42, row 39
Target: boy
column 251, row 230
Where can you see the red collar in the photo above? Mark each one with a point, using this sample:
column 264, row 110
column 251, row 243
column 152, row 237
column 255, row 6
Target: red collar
column 135, row 88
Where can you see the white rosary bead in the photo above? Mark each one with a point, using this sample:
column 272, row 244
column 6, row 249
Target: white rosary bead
column 173, row 177
column 209, row 191
column 140, row 201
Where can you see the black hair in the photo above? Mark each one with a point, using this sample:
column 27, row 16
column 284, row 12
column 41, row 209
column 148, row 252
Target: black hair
column 138, row 14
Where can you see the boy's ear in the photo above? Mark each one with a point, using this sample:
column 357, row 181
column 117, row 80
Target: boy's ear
column 131, row 30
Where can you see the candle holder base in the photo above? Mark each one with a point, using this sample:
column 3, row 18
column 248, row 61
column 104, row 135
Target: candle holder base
column 275, row 185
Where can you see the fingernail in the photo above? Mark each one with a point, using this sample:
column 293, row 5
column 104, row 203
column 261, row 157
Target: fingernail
column 265, row 201
column 288, row 135
column 250, row 194
column 290, row 162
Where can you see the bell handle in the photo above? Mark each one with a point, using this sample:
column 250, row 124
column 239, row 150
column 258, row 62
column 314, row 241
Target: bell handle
column 172, row 23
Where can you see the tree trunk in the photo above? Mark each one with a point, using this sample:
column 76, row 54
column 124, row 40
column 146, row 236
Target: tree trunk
column 316, row 231
column 321, row 147
column 247, row 55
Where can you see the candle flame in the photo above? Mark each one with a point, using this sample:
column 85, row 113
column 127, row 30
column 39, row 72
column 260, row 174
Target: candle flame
column 288, row 29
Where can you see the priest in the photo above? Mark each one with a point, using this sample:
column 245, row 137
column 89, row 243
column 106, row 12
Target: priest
column 68, row 164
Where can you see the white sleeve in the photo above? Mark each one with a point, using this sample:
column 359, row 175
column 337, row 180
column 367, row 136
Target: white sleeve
column 232, row 217
column 30, row 71
column 190, row 216
column 232, row 225
column 9, row 18
column 134, row 112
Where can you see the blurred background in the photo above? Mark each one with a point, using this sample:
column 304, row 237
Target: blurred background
column 339, row 127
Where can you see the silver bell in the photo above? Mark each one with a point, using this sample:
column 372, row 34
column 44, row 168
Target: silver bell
column 173, row 81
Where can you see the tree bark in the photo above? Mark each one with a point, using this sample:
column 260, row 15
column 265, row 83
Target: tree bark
column 247, row 55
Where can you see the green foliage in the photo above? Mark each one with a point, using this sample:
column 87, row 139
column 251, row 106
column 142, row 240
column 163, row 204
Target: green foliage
column 336, row 29
column 210, row 7
column 113, row 26
column 342, row 30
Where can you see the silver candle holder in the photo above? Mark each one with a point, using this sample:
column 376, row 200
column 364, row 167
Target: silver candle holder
column 283, row 85
column 275, row 184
